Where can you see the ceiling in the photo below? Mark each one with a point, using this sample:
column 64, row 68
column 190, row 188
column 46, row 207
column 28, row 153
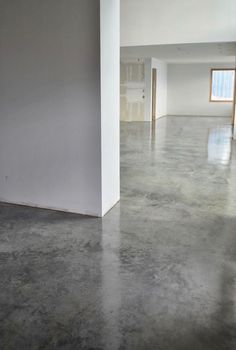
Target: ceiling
column 185, row 53
column 162, row 22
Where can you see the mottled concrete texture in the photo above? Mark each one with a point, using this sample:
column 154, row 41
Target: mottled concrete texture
column 158, row 272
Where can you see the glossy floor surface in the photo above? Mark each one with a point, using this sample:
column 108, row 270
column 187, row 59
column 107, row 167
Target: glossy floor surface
column 158, row 272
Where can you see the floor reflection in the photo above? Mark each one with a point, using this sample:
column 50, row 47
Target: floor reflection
column 157, row 272
column 111, row 284
column 220, row 145
column 158, row 133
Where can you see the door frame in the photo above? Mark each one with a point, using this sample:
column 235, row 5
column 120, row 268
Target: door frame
column 154, row 93
column 234, row 102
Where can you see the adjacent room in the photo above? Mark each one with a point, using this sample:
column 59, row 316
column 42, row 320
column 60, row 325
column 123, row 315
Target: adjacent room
column 117, row 175
column 177, row 80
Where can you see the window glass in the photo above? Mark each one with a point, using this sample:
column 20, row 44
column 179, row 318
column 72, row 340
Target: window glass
column 222, row 85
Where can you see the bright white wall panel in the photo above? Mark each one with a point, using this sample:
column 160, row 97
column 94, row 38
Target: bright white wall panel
column 189, row 91
column 154, row 22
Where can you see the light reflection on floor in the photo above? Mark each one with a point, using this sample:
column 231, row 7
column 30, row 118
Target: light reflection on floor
column 157, row 272
column 220, row 145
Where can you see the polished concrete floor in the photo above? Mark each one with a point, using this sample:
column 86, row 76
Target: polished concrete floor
column 157, row 273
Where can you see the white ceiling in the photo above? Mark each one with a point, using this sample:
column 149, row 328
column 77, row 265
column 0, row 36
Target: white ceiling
column 161, row 22
column 184, row 53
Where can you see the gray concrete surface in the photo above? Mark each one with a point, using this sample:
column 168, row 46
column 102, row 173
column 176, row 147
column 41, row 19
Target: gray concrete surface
column 157, row 272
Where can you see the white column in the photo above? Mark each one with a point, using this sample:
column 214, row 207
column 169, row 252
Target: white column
column 110, row 102
column 59, row 115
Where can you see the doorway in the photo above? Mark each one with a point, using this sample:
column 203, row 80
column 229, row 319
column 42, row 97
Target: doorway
column 154, row 94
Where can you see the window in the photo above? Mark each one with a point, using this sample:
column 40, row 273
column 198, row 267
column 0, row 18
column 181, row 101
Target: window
column 222, row 85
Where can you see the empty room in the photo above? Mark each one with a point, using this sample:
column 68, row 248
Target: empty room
column 117, row 175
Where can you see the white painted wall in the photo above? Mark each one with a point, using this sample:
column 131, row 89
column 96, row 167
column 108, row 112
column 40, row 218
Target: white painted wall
column 148, row 89
column 189, row 91
column 161, row 99
column 110, row 102
column 234, row 135
column 51, row 134
column 154, row 22
column 234, row 112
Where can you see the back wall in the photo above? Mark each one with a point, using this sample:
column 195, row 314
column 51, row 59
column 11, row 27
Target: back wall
column 189, row 90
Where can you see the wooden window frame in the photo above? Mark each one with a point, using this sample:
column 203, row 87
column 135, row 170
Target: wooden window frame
column 217, row 69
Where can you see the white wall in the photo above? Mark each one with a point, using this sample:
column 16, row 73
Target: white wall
column 234, row 111
column 234, row 136
column 189, row 91
column 50, row 106
column 148, row 89
column 153, row 22
column 110, row 102
column 161, row 98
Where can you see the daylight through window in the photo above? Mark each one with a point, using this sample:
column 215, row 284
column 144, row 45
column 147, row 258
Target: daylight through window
column 222, row 85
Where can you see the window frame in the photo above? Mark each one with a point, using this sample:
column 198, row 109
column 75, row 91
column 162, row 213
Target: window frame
column 211, row 78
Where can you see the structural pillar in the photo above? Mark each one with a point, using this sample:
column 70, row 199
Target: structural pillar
column 59, row 104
